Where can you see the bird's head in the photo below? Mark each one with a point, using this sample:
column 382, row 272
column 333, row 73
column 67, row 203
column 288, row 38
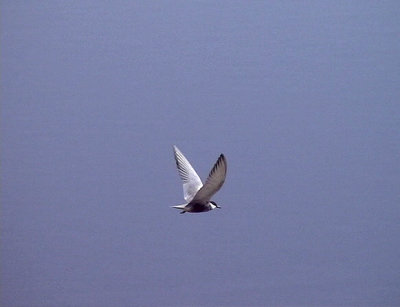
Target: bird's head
column 214, row 205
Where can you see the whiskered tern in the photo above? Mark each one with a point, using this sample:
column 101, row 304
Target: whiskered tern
column 197, row 195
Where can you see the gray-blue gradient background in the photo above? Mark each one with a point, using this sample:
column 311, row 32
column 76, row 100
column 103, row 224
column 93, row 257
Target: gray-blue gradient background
column 303, row 98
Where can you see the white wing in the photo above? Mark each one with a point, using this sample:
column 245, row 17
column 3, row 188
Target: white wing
column 214, row 181
column 191, row 181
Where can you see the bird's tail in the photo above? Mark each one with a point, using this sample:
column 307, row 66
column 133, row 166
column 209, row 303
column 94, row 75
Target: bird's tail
column 181, row 207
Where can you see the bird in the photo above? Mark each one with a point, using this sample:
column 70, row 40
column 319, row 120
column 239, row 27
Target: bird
column 197, row 195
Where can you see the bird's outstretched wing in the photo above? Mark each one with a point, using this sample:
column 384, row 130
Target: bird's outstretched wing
column 191, row 181
column 214, row 181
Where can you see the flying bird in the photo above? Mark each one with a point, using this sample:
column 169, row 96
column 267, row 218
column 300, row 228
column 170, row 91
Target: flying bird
column 197, row 195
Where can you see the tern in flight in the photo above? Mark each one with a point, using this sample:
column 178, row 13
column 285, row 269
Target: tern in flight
column 197, row 195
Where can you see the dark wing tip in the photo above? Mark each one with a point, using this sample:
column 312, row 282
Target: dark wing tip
column 221, row 160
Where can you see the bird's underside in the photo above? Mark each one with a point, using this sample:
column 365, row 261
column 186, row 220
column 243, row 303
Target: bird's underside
column 194, row 208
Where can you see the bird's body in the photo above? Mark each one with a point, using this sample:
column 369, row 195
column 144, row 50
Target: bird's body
column 197, row 195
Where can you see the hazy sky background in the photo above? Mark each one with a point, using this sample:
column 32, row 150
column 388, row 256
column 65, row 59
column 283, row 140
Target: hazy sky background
column 303, row 98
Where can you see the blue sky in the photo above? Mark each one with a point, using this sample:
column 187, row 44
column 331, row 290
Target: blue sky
column 301, row 97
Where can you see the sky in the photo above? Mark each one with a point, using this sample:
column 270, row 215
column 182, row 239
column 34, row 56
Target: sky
column 301, row 97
